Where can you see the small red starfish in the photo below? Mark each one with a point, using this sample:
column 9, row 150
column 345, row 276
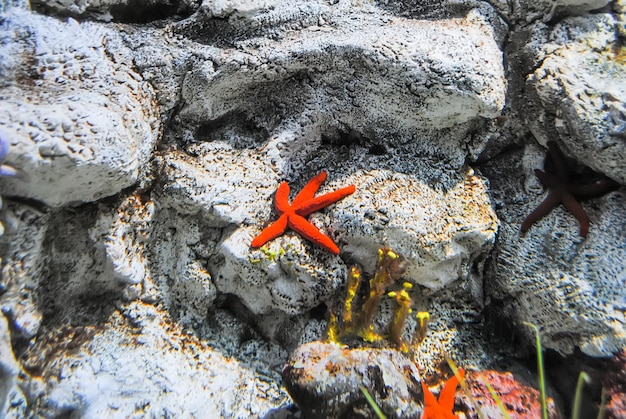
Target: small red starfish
column 303, row 204
column 442, row 408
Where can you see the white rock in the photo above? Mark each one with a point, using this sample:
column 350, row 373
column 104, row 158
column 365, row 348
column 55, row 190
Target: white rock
column 148, row 366
column 154, row 300
column 78, row 7
column 544, row 10
column 178, row 250
column 122, row 233
column 440, row 231
column 84, row 127
column 570, row 287
column 223, row 8
column 344, row 70
column 578, row 93
column 24, row 268
column 441, row 228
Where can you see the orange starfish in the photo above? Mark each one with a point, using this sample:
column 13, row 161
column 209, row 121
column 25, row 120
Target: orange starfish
column 442, row 408
column 292, row 215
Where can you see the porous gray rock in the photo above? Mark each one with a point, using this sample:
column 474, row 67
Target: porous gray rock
column 341, row 64
column 350, row 85
column 122, row 233
column 443, row 230
column 117, row 10
column 526, row 11
column 78, row 7
column 179, row 249
column 5, row 169
column 24, row 268
column 81, row 122
column 7, row 5
column 135, row 361
column 578, row 92
column 569, row 286
column 325, row 378
column 9, row 367
column 206, row 186
column 441, row 222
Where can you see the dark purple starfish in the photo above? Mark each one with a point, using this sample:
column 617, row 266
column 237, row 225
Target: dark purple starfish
column 565, row 187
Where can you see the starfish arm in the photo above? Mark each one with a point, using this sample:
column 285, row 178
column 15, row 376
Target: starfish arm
column 577, row 211
column 446, row 397
column 281, row 199
column 430, row 403
column 545, row 179
column 549, row 180
column 432, row 408
column 322, row 201
column 309, row 190
column 272, row 231
column 593, row 189
column 560, row 163
column 552, row 200
column 312, row 233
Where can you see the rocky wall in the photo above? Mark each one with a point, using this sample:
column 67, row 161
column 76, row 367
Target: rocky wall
column 143, row 143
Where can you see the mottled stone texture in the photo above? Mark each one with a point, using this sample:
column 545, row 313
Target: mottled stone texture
column 9, row 368
column 324, row 379
column 152, row 136
column 569, row 286
column 80, row 121
column 578, row 92
column 515, row 393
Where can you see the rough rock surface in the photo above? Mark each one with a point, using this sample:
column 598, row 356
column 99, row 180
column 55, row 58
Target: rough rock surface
column 577, row 94
column 5, row 169
column 324, row 379
column 81, row 122
column 24, row 268
column 341, row 63
column 154, row 145
column 441, row 238
column 572, row 288
column 9, row 368
column 518, row 397
column 107, row 10
column 135, row 362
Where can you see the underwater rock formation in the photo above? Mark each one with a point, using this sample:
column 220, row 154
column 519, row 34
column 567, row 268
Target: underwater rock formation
column 155, row 133
column 82, row 122
column 324, row 380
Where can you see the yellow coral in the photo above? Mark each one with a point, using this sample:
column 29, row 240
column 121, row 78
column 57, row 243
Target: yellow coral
column 389, row 269
column 403, row 299
column 354, row 280
column 420, row 332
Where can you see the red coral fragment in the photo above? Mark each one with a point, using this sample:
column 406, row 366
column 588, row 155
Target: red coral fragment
column 520, row 400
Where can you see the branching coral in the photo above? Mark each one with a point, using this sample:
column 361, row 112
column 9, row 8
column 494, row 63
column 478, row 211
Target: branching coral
column 389, row 269
column 403, row 299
